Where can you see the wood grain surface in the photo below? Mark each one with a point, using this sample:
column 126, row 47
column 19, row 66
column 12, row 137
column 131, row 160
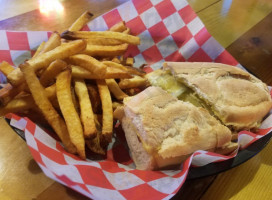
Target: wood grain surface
column 251, row 180
column 254, row 50
column 227, row 20
column 35, row 20
column 20, row 176
column 244, row 27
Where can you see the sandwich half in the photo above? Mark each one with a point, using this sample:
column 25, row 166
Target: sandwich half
column 236, row 98
column 162, row 130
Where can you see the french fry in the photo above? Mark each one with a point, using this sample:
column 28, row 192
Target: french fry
column 134, row 82
column 52, row 96
column 95, row 100
column 94, row 145
column 51, row 91
column 74, row 99
column 130, row 70
column 127, row 31
column 41, row 87
column 86, row 111
column 115, row 89
column 111, row 72
column 119, row 27
column 115, row 65
column 114, row 72
column 63, row 85
column 80, row 72
column 107, row 119
column 39, row 50
column 81, row 21
column 16, row 77
column 52, row 43
column 61, row 52
column 6, row 68
column 123, row 37
column 50, row 73
column 111, row 51
column 89, row 63
column 135, row 71
column 17, row 105
column 103, row 41
column 98, row 122
column 42, row 101
column 129, row 61
column 116, row 60
column 116, row 104
column 8, row 92
column 20, row 104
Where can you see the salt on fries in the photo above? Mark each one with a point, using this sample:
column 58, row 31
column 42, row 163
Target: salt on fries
column 73, row 82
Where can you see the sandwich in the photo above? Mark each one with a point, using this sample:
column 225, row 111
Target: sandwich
column 236, row 98
column 162, row 131
column 190, row 107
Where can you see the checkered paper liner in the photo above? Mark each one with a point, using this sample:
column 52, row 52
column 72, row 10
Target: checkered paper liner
column 169, row 31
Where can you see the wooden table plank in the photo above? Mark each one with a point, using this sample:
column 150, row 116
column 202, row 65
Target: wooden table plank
column 20, row 176
column 254, row 50
column 60, row 192
column 36, row 21
column 251, row 180
column 228, row 20
column 13, row 8
column 235, row 21
column 198, row 6
column 194, row 189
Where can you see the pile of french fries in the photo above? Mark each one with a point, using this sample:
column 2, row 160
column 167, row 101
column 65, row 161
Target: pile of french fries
column 73, row 83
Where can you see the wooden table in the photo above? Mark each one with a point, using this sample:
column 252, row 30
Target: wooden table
column 244, row 28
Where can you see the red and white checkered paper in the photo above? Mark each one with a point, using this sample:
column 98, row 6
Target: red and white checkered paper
column 169, row 31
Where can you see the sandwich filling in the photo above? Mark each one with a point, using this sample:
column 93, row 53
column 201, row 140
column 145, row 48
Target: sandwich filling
column 165, row 80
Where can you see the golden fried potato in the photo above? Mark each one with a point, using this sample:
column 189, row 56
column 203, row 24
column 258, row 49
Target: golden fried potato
column 17, row 105
column 51, row 72
column 95, row 99
column 101, row 50
column 123, row 37
column 39, row 49
column 42, row 101
column 116, row 104
column 107, row 119
column 16, row 77
column 6, row 68
column 134, row 82
column 8, row 92
column 89, row 63
column 115, row 89
column 81, row 21
column 61, row 52
column 86, row 111
column 111, row 72
column 64, row 95
column 119, row 27
column 52, row 43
